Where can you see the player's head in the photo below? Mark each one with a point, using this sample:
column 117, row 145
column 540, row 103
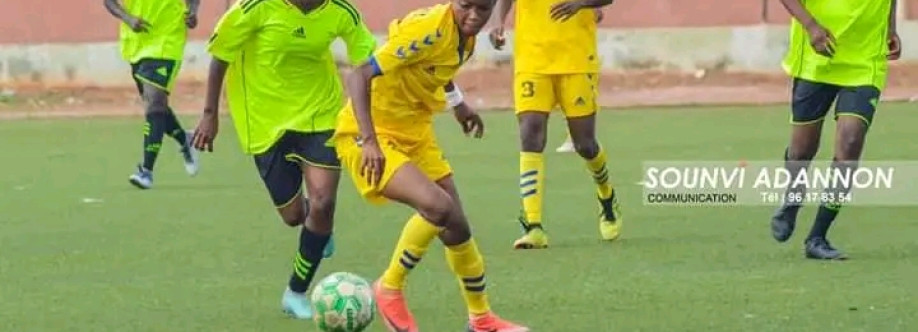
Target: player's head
column 471, row 15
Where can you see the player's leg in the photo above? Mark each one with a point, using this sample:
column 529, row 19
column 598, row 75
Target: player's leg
column 467, row 264
column 156, row 113
column 534, row 99
column 854, row 113
column 283, row 178
column 578, row 94
column 810, row 102
column 437, row 214
column 155, row 78
column 170, row 69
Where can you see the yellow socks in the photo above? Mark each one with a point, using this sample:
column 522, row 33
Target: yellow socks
column 412, row 245
column 597, row 167
column 468, row 265
column 532, row 176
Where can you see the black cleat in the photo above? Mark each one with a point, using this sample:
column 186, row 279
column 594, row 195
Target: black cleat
column 783, row 222
column 819, row 248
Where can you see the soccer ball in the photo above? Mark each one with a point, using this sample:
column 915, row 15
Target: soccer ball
column 343, row 302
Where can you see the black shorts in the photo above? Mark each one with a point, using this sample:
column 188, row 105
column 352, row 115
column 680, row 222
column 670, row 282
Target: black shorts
column 281, row 166
column 811, row 101
column 160, row 73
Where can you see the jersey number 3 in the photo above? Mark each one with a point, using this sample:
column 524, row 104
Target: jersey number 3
column 528, row 89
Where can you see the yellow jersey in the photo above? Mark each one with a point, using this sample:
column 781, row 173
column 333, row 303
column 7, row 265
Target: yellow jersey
column 165, row 40
column 423, row 53
column 545, row 46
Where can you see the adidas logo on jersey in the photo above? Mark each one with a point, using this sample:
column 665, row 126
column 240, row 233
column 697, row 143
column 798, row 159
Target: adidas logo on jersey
column 299, row 32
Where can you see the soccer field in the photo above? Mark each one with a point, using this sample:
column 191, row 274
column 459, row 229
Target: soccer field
column 82, row 250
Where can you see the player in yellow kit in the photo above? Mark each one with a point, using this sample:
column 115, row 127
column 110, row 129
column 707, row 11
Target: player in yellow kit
column 546, row 77
column 152, row 38
column 391, row 151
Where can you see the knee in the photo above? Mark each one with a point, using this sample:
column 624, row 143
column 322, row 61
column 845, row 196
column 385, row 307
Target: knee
column 438, row 209
column 805, row 152
column 157, row 103
column 322, row 208
column 532, row 135
column 588, row 148
column 294, row 218
column 849, row 147
column 157, row 107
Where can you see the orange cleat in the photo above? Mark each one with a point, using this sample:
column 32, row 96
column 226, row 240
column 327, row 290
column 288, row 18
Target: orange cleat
column 393, row 309
column 489, row 322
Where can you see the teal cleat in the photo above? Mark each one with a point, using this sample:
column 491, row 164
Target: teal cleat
column 329, row 248
column 296, row 305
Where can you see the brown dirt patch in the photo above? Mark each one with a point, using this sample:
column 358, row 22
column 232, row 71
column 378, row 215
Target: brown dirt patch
column 488, row 88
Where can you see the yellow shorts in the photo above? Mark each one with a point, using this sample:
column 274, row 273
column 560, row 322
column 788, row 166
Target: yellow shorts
column 575, row 93
column 425, row 154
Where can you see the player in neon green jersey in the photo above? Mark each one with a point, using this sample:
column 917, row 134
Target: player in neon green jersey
column 153, row 41
column 838, row 53
column 284, row 95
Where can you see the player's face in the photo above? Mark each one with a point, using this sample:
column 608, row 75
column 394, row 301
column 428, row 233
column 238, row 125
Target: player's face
column 471, row 15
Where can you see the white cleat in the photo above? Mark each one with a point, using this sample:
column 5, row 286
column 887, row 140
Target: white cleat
column 566, row 147
column 190, row 155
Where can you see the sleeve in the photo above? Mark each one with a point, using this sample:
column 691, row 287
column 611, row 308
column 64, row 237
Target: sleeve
column 235, row 28
column 408, row 44
column 359, row 40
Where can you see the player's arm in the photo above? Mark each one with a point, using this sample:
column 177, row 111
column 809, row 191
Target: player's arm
column 820, row 38
column 233, row 30
column 359, row 40
column 496, row 35
column 895, row 45
column 503, row 9
column 797, row 11
column 407, row 48
column 191, row 17
column 567, row 9
column 117, row 10
column 467, row 118
column 193, row 5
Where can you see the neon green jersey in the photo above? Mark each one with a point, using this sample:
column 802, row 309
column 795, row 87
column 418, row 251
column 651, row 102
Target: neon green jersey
column 166, row 36
column 282, row 73
column 860, row 29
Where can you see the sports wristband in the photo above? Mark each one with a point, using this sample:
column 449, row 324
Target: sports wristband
column 454, row 98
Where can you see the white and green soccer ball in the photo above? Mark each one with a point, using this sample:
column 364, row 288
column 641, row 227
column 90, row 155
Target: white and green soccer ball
column 343, row 302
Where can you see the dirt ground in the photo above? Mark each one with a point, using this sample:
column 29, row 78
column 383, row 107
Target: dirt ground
column 486, row 88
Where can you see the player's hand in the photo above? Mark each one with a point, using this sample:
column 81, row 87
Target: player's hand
column 137, row 24
column 191, row 20
column 496, row 36
column 206, row 132
column 372, row 161
column 821, row 40
column 565, row 10
column 895, row 46
column 469, row 120
column 599, row 14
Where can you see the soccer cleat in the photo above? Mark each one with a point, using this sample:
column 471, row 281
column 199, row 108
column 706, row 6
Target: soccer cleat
column 329, row 248
column 142, row 179
column 534, row 237
column 393, row 309
column 296, row 305
column 489, row 322
column 783, row 222
column 566, row 147
column 610, row 219
column 190, row 155
column 819, row 248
